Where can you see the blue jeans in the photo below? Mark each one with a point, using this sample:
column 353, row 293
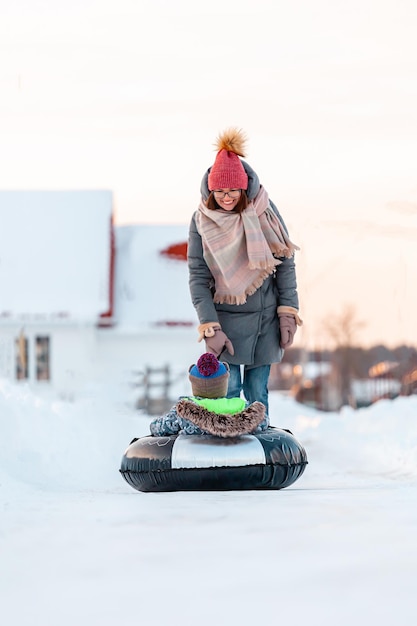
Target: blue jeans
column 254, row 384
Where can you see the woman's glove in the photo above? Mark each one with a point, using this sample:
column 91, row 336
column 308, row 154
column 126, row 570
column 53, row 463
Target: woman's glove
column 287, row 327
column 216, row 340
column 218, row 343
column 288, row 321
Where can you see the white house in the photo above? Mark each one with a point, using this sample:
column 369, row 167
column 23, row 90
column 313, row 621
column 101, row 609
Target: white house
column 83, row 301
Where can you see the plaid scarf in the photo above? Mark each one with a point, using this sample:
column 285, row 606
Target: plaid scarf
column 240, row 249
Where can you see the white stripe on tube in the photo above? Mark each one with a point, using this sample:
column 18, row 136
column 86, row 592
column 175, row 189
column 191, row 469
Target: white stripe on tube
column 192, row 451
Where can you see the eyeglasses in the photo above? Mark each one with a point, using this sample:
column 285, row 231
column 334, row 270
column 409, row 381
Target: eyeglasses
column 233, row 193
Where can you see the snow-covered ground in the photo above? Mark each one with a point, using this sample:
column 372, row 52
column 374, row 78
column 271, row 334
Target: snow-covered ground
column 79, row 546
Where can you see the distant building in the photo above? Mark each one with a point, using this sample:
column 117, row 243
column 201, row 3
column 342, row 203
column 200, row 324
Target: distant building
column 84, row 301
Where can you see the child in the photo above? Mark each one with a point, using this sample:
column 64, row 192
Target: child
column 208, row 411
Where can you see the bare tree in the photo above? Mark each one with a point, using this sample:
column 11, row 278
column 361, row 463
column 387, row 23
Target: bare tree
column 343, row 329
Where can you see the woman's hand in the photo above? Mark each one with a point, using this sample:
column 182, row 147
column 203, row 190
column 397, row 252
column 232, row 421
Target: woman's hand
column 288, row 321
column 287, row 327
column 218, row 342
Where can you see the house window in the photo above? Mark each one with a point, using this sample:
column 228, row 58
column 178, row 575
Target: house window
column 22, row 357
column 42, row 351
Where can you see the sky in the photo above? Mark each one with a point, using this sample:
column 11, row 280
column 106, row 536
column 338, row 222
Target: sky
column 129, row 95
column 79, row 546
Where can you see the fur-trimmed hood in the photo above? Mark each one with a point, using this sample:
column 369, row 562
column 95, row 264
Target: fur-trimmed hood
column 222, row 424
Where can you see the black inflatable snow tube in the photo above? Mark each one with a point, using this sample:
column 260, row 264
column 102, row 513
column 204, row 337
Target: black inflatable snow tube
column 273, row 459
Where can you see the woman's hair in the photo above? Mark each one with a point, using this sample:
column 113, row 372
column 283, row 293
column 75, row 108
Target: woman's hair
column 240, row 206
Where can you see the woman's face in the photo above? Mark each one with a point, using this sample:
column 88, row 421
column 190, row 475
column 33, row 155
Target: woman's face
column 227, row 199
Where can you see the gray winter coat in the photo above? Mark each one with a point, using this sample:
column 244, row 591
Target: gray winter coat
column 252, row 327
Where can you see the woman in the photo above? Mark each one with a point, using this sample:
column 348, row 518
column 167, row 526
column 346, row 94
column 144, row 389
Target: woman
column 242, row 272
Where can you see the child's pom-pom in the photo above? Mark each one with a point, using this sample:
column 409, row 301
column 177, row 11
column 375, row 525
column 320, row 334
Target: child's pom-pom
column 208, row 364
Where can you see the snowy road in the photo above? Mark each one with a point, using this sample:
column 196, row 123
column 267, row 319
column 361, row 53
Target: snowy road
column 320, row 555
column 338, row 547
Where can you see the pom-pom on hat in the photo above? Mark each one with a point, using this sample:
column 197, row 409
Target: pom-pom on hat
column 227, row 171
column 209, row 377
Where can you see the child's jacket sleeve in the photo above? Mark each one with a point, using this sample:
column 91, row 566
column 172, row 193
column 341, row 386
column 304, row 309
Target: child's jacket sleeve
column 166, row 424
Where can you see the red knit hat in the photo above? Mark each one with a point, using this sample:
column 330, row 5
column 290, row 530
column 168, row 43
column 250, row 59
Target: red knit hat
column 227, row 171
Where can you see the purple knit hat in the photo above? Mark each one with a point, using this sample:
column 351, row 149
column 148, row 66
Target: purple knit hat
column 209, row 377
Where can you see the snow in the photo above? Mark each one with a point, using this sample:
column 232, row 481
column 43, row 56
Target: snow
column 55, row 254
column 79, row 546
column 150, row 288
